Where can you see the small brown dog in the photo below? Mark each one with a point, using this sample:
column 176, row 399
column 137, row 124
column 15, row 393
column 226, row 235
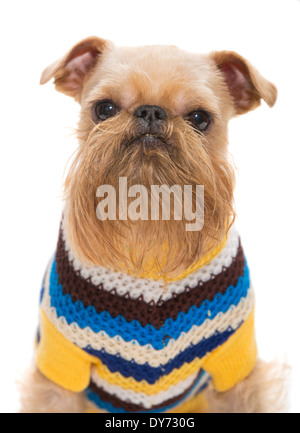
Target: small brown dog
column 140, row 314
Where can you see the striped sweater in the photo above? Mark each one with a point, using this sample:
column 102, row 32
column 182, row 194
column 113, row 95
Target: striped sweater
column 145, row 345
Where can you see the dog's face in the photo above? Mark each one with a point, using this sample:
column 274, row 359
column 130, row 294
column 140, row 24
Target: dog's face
column 157, row 116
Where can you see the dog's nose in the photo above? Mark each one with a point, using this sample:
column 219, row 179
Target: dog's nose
column 150, row 113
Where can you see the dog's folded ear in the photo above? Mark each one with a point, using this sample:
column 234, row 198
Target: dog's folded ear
column 70, row 71
column 245, row 84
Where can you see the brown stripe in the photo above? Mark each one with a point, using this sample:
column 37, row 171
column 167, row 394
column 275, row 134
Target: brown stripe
column 131, row 407
column 84, row 290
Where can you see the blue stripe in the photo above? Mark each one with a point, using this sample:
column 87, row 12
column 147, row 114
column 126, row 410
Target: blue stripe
column 42, row 294
column 129, row 331
column 105, row 405
column 116, row 363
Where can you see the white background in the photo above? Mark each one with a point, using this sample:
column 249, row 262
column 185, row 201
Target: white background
column 36, row 141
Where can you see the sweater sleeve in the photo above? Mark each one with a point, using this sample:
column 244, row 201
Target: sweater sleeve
column 235, row 359
column 61, row 361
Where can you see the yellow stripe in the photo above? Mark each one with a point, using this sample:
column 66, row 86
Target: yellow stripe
column 202, row 262
column 163, row 384
column 153, row 272
column 60, row 360
column 197, row 404
column 233, row 361
column 236, row 351
column 94, row 409
column 69, row 366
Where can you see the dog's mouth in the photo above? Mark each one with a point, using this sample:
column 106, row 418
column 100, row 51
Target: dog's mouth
column 148, row 140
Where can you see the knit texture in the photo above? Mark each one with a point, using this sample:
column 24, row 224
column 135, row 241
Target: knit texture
column 145, row 345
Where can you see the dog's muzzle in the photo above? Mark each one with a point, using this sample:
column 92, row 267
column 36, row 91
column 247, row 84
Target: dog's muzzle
column 150, row 125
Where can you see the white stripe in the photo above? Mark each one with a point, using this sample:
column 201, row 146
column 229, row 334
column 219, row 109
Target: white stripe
column 141, row 398
column 142, row 354
column 152, row 290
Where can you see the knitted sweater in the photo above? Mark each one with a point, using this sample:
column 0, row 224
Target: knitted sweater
column 145, row 345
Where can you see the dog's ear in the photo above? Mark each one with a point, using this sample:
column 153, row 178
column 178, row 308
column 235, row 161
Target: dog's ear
column 70, row 71
column 245, row 84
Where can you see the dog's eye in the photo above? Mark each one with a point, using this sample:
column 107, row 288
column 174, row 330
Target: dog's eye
column 105, row 109
column 200, row 119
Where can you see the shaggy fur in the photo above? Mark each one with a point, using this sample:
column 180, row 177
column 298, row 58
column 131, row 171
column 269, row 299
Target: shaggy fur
column 181, row 162
column 221, row 83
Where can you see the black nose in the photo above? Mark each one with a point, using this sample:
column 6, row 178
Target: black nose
column 150, row 113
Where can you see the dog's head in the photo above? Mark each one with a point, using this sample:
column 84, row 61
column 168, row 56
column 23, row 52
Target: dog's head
column 155, row 115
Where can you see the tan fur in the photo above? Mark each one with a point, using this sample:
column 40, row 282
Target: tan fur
column 221, row 83
column 257, row 86
column 128, row 245
column 265, row 390
column 180, row 82
column 40, row 395
column 184, row 163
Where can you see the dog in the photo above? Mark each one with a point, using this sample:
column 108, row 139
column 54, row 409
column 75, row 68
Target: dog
column 141, row 314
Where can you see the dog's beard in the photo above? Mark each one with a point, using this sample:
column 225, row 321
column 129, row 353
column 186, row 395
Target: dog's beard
column 164, row 248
